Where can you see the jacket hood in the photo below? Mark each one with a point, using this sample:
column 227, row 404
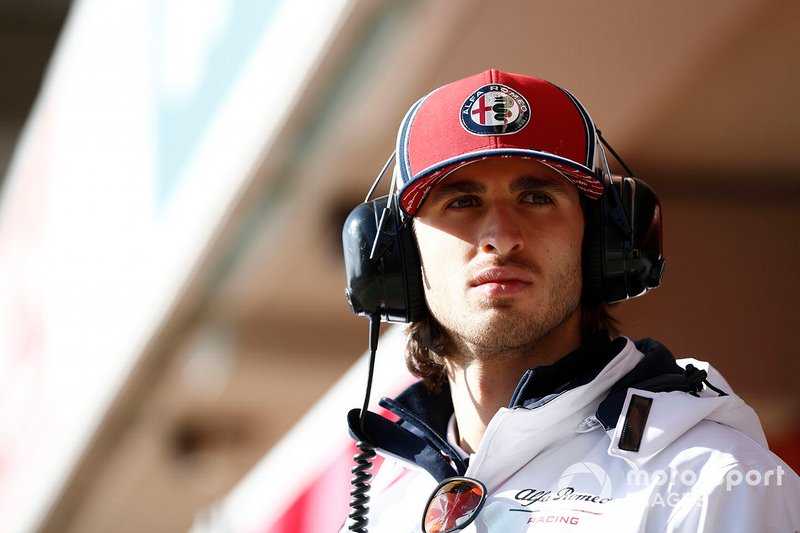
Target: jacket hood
column 673, row 412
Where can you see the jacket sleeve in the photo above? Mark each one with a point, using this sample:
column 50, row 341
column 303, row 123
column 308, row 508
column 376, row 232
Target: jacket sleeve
column 742, row 498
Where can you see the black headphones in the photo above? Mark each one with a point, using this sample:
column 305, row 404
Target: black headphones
column 622, row 251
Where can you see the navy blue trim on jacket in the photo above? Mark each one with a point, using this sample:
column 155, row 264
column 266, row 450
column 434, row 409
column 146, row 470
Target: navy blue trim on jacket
column 579, row 367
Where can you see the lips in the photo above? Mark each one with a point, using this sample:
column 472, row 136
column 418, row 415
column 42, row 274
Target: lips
column 502, row 277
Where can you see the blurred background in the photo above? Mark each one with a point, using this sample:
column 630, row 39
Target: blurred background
column 175, row 349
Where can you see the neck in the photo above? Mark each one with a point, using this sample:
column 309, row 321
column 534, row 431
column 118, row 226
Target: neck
column 481, row 383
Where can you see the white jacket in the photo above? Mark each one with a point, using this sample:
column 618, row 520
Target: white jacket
column 557, row 463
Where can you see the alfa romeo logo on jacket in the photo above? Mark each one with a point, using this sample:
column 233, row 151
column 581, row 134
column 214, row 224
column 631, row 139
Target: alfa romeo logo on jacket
column 495, row 110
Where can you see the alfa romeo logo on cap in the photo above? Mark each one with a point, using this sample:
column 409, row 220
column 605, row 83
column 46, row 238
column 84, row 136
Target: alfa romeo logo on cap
column 495, row 110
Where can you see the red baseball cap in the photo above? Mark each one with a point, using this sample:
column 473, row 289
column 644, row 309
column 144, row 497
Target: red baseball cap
column 493, row 114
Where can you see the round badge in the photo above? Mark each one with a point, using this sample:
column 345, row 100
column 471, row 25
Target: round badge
column 495, row 110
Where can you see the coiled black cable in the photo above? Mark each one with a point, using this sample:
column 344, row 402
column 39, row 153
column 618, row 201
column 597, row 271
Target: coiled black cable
column 359, row 504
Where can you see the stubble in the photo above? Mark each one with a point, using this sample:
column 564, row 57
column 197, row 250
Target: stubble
column 499, row 329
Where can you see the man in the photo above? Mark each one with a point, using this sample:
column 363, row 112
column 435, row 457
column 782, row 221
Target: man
column 529, row 404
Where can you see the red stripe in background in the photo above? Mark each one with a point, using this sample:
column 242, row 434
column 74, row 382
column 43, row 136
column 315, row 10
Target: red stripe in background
column 324, row 504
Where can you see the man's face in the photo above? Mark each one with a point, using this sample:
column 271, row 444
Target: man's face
column 500, row 243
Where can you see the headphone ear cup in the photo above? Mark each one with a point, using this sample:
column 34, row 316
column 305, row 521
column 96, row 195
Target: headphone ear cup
column 382, row 264
column 646, row 266
column 593, row 251
column 417, row 309
column 631, row 261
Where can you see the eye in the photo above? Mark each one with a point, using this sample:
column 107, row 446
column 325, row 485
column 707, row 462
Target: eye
column 534, row 197
column 463, row 201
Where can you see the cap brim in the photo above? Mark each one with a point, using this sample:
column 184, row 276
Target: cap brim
column 413, row 194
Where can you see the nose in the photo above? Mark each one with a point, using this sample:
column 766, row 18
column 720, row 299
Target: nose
column 501, row 233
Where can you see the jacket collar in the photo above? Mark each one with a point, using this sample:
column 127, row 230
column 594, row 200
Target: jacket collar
column 418, row 434
column 573, row 370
